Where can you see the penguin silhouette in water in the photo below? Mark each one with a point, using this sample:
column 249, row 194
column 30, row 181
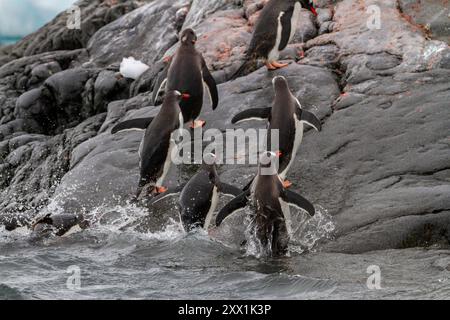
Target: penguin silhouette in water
column 274, row 30
column 157, row 143
column 288, row 118
column 269, row 201
column 199, row 197
column 187, row 72
column 58, row 224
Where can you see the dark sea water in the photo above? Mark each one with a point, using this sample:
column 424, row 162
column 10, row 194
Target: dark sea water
column 114, row 263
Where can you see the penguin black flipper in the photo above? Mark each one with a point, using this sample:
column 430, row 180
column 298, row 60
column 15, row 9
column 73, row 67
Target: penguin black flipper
column 234, row 205
column 285, row 21
column 160, row 83
column 211, row 83
column 169, row 193
column 296, row 200
column 135, row 124
column 309, row 118
column 252, row 114
column 228, row 189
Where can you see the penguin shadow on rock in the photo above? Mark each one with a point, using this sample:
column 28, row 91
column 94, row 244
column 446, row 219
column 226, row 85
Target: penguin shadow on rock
column 273, row 31
column 186, row 71
column 194, row 201
column 269, row 220
column 287, row 117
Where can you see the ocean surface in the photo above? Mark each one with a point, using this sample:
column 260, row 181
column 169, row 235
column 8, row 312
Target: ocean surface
column 19, row 18
column 110, row 262
column 7, row 40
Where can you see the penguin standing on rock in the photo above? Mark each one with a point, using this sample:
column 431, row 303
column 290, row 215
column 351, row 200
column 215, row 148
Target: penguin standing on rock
column 158, row 141
column 287, row 116
column 198, row 198
column 274, row 30
column 187, row 72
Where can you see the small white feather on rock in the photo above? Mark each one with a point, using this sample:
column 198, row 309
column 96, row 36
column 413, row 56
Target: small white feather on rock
column 132, row 68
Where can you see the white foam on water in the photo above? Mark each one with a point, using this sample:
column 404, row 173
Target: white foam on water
column 309, row 231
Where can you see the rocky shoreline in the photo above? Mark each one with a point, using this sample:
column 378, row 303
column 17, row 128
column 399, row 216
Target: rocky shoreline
column 380, row 166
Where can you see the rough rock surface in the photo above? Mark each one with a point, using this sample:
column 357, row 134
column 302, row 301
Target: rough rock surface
column 380, row 167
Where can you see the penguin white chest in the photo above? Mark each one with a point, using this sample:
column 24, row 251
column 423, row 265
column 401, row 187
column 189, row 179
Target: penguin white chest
column 297, row 142
column 214, row 202
column 274, row 54
column 295, row 20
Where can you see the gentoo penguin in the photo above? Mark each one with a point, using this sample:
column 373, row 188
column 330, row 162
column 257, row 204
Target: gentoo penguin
column 269, row 200
column 274, row 30
column 187, row 72
column 158, row 141
column 59, row 225
column 287, row 116
column 198, row 198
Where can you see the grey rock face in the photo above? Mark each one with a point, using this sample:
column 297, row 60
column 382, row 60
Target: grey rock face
column 146, row 34
column 57, row 36
column 380, row 166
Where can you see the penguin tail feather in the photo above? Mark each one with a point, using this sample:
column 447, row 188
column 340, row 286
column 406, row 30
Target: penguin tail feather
column 247, row 67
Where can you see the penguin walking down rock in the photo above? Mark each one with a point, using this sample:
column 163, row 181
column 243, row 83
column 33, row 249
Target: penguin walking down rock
column 274, row 30
column 198, row 198
column 187, row 72
column 158, row 142
column 287, row 117
column 269, row 201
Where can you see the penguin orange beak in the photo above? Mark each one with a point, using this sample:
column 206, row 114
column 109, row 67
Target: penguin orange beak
column 279, row 153
column 185, row 96
column 313, row 10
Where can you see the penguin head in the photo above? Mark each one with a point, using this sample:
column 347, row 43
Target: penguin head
column 209, row 164
column 280, row 82
column 267, row 163
column 210, row 159
column 309, row 5
column 188, row 37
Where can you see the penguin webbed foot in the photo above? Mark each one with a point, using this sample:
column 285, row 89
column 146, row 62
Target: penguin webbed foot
column 197, row 124
column 270, row 66
column 274, row 65
column 158, row 190
column 287, row 184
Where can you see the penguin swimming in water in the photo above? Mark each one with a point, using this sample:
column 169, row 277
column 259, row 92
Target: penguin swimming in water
column 269, row 200
column 59, row 225
column 287, row 116
column 158, row 141
column 274, row 30
column 187, row 72
column 198, row 198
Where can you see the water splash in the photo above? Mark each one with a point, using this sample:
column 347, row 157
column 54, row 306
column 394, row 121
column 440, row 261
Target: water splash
column 308, row 232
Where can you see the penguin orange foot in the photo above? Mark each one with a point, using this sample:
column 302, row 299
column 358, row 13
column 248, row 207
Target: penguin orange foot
column 279, row 65
column 287, row 184
column 270, row 66
column 197, row 124
column 159, row 190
